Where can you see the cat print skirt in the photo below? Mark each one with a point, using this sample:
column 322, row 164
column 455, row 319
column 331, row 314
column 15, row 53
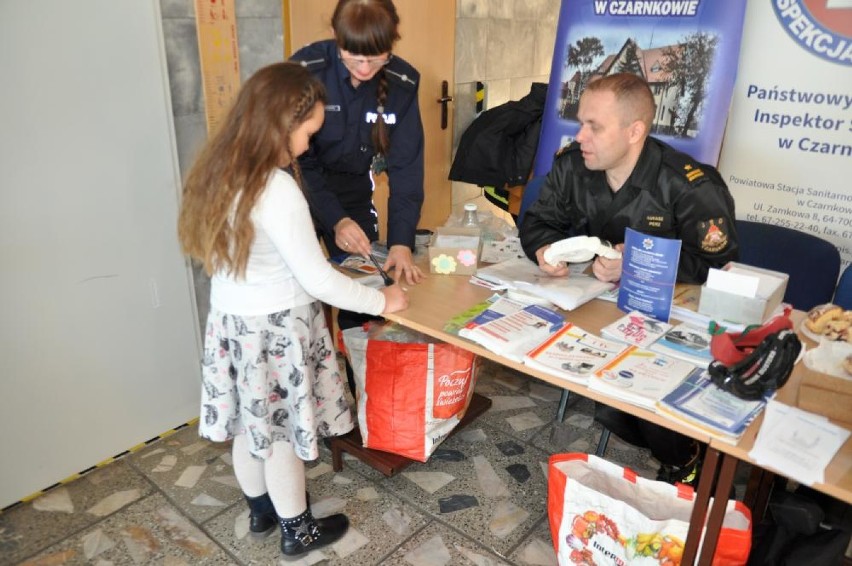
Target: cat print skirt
column 272, row 377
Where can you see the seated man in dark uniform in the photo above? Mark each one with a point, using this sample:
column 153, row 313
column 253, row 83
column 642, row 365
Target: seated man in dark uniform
column 616, row 176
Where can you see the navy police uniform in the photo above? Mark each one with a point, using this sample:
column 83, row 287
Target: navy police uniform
column 336, row 167
column 668, row 194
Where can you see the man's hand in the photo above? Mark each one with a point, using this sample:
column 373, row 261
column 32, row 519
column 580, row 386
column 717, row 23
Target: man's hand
column 350, row 238
column 558, row 271
column 608, row 269
column 402, row 263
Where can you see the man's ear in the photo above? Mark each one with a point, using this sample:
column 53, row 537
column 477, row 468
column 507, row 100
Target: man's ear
column 637, row 131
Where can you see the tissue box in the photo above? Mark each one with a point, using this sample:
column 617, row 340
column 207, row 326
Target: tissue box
column 455, row 251
column 722, row 305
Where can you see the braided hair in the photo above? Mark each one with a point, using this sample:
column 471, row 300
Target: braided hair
column 234, row 166
column 369, row 27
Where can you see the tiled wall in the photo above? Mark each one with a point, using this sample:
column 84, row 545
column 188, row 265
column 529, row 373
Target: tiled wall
column 261, row 42
column 506, row 44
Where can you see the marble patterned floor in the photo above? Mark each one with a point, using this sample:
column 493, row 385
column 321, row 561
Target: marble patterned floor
column 480, row 499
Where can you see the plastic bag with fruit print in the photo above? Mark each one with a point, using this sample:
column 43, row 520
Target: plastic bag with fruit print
column 603, row 514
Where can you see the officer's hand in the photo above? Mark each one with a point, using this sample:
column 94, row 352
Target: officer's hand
column 558, row 271
column 349, row 237
column 402, row 263
column 608, row 269
column 396, row 298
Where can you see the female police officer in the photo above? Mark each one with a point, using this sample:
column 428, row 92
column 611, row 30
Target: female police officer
column 372, row 124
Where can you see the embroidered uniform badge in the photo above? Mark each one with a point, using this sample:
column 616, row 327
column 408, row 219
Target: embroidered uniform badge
column 714, row 237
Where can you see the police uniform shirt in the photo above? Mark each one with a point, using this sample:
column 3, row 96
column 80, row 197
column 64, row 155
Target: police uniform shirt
column 668, row 194
column 337, row 165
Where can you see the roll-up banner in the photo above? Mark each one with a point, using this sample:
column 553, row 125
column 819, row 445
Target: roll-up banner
column 787, row 153
column 687, row 50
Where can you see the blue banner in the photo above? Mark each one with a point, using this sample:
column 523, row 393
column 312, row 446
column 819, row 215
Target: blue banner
column 687, row 50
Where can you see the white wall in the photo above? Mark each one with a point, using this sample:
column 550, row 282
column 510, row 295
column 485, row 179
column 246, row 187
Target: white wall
column 98, row 342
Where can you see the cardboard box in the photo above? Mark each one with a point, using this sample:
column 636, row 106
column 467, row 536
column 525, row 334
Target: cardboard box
column 723, row 305
column 455, row 251
column 827, row 395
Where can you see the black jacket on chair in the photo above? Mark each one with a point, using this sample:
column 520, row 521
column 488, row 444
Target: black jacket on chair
column 498, row 148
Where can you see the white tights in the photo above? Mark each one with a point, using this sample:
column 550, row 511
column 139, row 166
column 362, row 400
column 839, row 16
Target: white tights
column 282, row 475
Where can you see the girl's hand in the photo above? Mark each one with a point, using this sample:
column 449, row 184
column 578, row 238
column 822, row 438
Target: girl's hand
column 402, row 263
column 350, row 238
column 396, row 298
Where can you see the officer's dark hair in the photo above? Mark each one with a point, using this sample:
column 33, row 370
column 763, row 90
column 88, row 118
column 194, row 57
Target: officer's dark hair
column 369, row 27
column 250, row 143
column 632, row 92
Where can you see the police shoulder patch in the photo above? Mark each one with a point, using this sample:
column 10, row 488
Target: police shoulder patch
column 713, row 235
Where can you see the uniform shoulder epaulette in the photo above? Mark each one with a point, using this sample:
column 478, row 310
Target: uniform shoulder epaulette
column 311, row 56
column 685, row 166
column 401, row 73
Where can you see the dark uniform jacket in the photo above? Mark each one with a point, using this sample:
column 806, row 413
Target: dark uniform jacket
column 668, row 194
column 499, row 146
column 336, row 167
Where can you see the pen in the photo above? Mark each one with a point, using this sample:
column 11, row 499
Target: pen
column 387, row 278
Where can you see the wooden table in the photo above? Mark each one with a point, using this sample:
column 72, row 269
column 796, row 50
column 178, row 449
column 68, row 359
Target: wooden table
column 441, row 297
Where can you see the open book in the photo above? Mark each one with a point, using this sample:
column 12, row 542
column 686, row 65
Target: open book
column 565, row 292
column 573, row 354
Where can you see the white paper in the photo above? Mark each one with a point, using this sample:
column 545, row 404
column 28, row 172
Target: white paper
column 736, row 283
column 455, row 241
column 797, row 443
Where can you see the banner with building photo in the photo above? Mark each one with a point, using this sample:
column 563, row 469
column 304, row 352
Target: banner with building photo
column 687, row 50
column 787, row 153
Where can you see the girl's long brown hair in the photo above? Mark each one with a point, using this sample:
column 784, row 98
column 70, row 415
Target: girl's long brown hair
column 369, row 27
column 232, row 170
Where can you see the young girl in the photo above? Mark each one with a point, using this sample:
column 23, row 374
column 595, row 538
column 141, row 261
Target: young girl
column 269, row 374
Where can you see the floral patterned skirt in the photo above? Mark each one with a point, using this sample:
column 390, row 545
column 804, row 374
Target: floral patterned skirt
column 272, row 377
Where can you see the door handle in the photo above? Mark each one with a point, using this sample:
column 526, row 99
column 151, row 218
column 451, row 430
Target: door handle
column 443, row 101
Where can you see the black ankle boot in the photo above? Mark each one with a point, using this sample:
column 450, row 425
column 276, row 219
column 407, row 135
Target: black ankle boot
column 262, row 516
column 304, row 533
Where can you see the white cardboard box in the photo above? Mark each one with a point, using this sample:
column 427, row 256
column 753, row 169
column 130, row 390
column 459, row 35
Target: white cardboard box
column 455, row 251
column 724, row 305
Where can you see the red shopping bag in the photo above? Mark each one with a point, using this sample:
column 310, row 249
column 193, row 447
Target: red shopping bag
column 412, row 391
column 601, row 513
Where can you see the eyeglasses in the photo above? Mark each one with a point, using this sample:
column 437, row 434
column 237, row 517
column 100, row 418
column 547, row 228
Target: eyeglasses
column 373, row 63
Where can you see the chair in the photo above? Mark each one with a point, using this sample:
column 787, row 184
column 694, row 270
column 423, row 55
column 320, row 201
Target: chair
column 843, row 294
column 812, row 263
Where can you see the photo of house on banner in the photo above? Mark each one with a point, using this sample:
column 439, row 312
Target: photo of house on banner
column 689, row 60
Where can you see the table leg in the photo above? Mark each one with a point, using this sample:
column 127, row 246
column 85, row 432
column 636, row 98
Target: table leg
column 699, row 509
column 717, row 511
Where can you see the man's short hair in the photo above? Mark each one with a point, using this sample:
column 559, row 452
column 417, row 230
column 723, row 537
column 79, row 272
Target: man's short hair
column 633, row 94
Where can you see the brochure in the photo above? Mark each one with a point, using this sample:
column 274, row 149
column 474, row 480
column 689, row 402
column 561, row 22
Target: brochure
column 499, row 308
column 686, row 342
column 573, row 354
column 636, row 328
column 699, row 403
column 565, row 292
column 641, row 377
column 515, row 334
column 648, row 275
